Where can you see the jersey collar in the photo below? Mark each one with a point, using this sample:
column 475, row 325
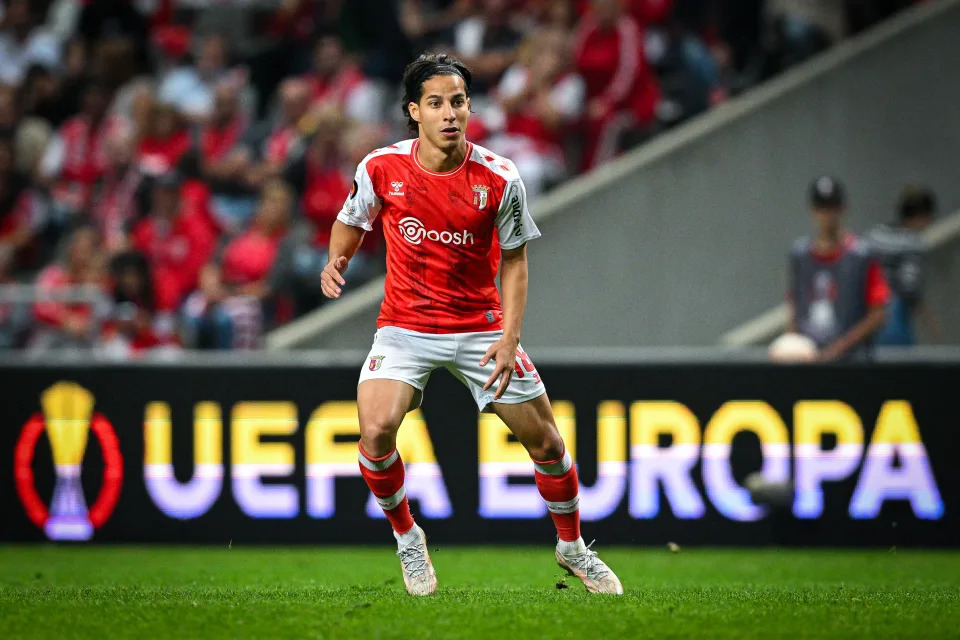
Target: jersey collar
column 446, row 174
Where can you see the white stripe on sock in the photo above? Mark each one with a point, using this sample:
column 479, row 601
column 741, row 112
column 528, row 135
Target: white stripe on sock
column 564, row 507
column 557, row 468
column 378, row 465
column 391, row 502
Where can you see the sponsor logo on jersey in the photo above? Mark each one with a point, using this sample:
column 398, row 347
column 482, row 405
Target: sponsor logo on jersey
column 375, row 362
column 480, row 193
column 516, row 211
column 397, row 186
column 414, row 232
column 489, row 316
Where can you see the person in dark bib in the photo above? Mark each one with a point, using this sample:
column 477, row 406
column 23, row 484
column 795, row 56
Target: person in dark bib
column 837, row 290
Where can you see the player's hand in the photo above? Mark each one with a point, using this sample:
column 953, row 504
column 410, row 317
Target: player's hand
column 331, row 280
column 504, row 353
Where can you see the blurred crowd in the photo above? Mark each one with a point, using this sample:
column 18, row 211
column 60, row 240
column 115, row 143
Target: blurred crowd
column 170, row 170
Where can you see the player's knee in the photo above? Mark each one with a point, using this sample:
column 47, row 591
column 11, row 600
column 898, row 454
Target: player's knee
column 547, row 446
column 378, row 436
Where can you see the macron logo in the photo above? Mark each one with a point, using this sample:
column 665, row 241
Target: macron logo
column 414, row 232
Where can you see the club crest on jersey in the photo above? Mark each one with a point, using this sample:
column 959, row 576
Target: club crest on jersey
column 375, row 362
column 397, row 186
column 480, row 192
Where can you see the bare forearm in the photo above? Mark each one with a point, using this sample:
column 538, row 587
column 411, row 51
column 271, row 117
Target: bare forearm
column 860, row 332
column 344, row 241
column 513, row 285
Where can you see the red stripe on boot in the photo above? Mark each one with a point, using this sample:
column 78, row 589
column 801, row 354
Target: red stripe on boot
column 386, row 483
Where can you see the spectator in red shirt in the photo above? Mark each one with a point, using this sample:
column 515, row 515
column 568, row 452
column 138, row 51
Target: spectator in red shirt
column 226, row 161
column 61, row 324
column 76, row 156
column 228, row 310
column 248, row 261
column 647, row 12
column 622, row 92
column 338, row 81
column 164, row 140
column 321, row 177
column 541, row 98
column 120, row 196
column 285, row 137
column 176, row 246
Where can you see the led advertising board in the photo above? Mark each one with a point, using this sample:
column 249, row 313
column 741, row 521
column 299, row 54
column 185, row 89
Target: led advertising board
column 714, row 454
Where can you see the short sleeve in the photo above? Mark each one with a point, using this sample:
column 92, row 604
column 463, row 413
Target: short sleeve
column 362, row 204
column 515, row 225
column 878, row 292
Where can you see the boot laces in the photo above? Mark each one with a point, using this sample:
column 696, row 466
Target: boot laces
column 589, row 563
column 413, row 557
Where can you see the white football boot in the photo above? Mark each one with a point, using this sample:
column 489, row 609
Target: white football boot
column 581, row 562
column 418, row 574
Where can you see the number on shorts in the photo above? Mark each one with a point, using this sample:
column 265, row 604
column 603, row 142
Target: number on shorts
column 523, row 359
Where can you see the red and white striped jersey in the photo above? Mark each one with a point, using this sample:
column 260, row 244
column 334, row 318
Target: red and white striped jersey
column 439, row 232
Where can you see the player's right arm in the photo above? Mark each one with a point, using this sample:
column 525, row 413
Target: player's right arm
column 354, row 220
column 344, row 242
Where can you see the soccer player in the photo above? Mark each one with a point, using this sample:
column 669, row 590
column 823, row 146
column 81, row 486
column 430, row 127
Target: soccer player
column 443, row 202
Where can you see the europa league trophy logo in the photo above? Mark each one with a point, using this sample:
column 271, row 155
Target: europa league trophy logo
column 67, row 408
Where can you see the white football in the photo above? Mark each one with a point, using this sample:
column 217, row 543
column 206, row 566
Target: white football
column 793, row 347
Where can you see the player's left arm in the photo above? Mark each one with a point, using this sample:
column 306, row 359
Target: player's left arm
column 515, row 227
column 878, row 294
column 513, row 293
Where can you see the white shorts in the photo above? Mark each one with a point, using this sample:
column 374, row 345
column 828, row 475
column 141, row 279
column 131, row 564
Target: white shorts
column 411, row 356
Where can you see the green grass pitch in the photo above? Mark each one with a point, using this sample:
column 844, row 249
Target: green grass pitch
column 485, row 592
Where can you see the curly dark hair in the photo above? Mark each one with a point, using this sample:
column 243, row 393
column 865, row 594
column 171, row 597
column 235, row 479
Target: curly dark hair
column 422, row 69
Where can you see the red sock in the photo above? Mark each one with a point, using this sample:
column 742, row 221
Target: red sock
column 557, row 482
column 384, row 476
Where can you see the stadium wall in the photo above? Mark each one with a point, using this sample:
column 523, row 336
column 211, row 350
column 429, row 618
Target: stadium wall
column 731, row 453
column 687, row 237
